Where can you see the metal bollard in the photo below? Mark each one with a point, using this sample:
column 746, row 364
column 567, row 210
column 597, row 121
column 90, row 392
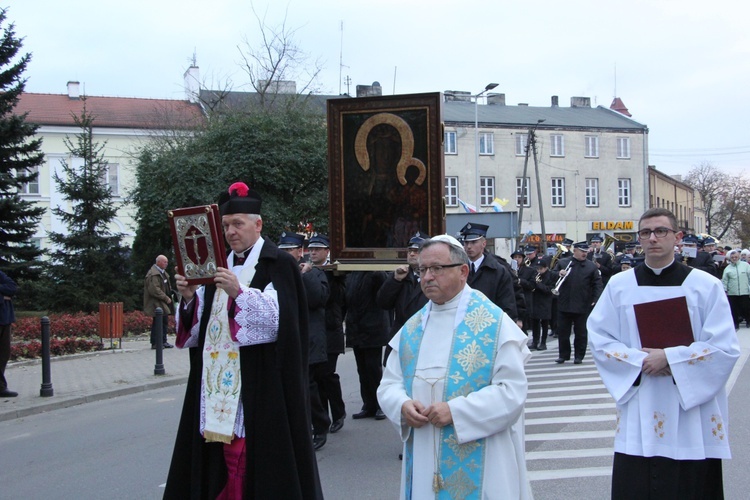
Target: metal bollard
column 46, row 389
column 159, row 366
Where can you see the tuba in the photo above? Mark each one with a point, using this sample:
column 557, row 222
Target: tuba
column 560, row 250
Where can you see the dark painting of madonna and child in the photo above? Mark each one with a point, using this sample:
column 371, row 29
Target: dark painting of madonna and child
column 385, row 173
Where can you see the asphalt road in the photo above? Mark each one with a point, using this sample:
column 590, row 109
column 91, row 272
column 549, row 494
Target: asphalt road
column 120, row 448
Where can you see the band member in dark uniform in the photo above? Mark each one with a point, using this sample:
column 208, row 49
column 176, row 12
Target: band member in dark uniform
column 578, row 293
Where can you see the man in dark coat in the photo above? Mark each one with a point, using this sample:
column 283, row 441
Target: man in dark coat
column 401, row 292
column 578, row 293
column 541, row 304
column 486, row 274
column 316, row 289
column 256, row 441
column 367, row 327
column 8, row 290
column 157, row 292
column 526, row 276
column 601, row 258
column 694, row 257
column 329, row 382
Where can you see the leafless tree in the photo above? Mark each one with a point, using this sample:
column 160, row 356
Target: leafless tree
column 276, row 61
column 725, row 199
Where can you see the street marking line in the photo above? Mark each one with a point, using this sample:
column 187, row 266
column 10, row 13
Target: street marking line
column 544, row 475
column 571, row 397
column 591, row 406
column 563, row 454
column 569, row 420
column 568, row 436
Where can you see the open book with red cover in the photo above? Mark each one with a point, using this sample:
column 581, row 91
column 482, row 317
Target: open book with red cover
column 664, row 323
column 198, row 242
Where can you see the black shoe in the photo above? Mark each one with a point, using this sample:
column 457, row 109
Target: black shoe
column 153, row 346
column 379, row 415
column 577, row 361
column 542, row 347
column 7, row 393
column 318, row 441
column 363, row 414
column 337, row 425
column 533, row 347
column 560, row 361
column 167, row 345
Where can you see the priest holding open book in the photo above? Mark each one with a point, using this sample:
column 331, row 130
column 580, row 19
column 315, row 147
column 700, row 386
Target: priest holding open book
column 663, row 340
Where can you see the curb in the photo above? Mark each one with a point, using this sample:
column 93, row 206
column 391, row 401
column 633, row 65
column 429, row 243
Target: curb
column 69, row 401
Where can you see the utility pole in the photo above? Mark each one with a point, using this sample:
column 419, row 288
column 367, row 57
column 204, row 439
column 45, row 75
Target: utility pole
column 532, row 145
column 524, row 189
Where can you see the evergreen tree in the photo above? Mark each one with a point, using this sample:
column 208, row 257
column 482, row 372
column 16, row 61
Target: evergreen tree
column 281, row 153
column 89, row 265
column 20, row 156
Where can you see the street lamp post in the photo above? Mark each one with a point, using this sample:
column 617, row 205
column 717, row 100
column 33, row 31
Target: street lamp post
column 489, row 86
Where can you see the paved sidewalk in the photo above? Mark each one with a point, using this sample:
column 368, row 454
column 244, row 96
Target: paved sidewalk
column 82, row 378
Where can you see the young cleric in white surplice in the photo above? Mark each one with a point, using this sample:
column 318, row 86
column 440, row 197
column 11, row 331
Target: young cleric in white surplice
column 462, row 349
column 672, row 420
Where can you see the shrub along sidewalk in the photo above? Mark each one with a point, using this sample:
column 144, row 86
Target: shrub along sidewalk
column 70, row 333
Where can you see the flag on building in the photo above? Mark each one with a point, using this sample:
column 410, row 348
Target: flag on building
column 498, row 204
column 468, row 206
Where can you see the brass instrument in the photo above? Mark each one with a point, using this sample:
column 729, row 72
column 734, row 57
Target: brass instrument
column 560, row 250
column 608, row 240
column 561, row 280
column 539, row 277
column 527, row 262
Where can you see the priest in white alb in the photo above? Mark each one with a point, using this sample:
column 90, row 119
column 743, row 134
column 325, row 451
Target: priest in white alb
column 455, row 388
column 664, row 342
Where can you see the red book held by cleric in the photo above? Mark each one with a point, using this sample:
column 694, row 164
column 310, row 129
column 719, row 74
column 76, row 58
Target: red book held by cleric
column 664, row 323
column 198, row 242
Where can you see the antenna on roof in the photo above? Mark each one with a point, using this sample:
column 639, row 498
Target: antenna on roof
column 195, row 57
column 615, row 81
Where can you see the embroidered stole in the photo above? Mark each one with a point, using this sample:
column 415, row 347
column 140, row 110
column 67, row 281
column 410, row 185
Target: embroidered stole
column 221, row 382
column 470, row 366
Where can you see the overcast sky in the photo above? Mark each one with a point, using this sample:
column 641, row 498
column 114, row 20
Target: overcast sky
column 682, row 66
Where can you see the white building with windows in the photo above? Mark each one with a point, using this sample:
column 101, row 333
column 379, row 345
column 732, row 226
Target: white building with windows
column 592, row 164
column 120, row 125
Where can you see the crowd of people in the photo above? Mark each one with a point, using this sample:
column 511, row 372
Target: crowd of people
column 440, row 344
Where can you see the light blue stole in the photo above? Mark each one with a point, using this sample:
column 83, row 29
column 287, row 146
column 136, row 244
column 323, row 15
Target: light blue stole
column 475, row 339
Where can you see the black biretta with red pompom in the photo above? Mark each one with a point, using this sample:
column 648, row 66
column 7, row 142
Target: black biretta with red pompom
column 239, row 199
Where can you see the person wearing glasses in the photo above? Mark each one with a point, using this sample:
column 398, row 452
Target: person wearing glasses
column 454, row 387
column 401, row 292
column 664, row 343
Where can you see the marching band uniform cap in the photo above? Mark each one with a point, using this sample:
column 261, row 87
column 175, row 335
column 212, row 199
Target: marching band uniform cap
column 291, row 240
column 567, row 242
column 319, row 241
column 239, row 199
column 630, row 246
column 517, row 252
column 529, row 249
column 473, row 231
column 690, row 239
column 417, row 240
column 627, row 260
column 541, row 262
column 596, row 238
column 709, row 241
column 581, row 245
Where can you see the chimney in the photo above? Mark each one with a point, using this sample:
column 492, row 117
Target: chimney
column 555, row 101
column 74, row 90
column 457, row 95
column 496, row 99
column 192, row 84
column 373, row 90
column 580, row 102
